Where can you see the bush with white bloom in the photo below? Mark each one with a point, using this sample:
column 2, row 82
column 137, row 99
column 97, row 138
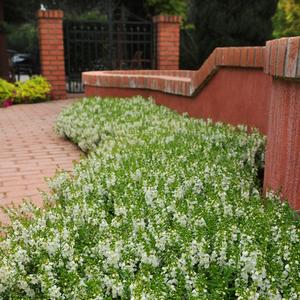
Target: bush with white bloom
column 163, row 207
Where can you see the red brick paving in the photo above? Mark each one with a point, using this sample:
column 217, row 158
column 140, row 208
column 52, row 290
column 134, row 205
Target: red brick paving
column 30, row 151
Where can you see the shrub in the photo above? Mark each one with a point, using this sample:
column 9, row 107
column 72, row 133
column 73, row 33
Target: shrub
column 163, row 207
column 7, row 91
column 33, row 90
column 36, row 89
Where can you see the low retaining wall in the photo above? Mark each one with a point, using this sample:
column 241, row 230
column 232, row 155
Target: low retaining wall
column 254, row 86
column 231, row 97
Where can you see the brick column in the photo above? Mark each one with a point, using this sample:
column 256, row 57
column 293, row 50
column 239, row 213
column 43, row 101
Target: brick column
column 50, row 30
column 282, row 166
column 167, row 42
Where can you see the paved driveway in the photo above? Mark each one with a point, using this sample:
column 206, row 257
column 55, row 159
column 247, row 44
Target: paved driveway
column 30, row 150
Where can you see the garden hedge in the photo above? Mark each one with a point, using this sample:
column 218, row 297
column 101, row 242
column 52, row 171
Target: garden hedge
column 163, row 207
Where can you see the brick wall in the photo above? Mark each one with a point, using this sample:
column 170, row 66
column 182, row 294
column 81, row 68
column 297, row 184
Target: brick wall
column 167, row 42
column 50, row 30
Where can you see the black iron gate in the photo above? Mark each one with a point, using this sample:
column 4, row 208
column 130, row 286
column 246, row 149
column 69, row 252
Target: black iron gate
column 124, row 42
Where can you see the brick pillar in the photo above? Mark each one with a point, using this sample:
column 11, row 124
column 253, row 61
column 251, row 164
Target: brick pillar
column 50, row 30
column 167, row 42
column 282, row 165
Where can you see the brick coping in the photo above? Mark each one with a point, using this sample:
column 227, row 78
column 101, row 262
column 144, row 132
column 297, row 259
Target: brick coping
column 159, row 82
column 279, row 58
column 179, row 82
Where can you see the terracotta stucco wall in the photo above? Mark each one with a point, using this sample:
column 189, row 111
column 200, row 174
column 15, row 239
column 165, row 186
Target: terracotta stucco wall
column 234, row 95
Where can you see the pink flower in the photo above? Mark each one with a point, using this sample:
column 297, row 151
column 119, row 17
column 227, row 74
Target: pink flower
column 7, row 103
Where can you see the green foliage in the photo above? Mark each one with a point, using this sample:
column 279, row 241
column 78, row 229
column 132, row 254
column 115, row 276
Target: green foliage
column 36, row 89
column 171, row 7
column 286, row 21
column 89, row 16
column 22, row 30
column 33, row 90
column 19, row 11
column 22, row 38
column 163, row 207
column 223, row 23
column 7, row 91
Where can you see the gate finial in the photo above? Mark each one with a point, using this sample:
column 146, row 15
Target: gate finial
column 43, row 7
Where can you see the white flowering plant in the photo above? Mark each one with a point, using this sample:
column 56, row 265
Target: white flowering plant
column 163, row 207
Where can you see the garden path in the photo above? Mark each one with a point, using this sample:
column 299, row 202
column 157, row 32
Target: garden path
column 30, row 150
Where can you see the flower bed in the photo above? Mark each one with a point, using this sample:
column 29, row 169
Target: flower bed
column 163, row 207
column 36, row 89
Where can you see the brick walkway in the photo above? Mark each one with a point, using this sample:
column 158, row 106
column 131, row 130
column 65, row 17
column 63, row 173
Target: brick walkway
column 30, row 150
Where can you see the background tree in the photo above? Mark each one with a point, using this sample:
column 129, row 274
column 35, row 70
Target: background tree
column 286, row 21
column 171, row 7
column 4, row 64
column 208, row 23
column 219, row 23
column 20, row 11
column 20, row 15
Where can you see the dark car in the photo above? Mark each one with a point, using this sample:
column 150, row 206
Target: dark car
column 22, row 64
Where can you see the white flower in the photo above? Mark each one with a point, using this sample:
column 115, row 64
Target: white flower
column 54, row 292
column 137, row 175
column 179, row 193
column 150, row 195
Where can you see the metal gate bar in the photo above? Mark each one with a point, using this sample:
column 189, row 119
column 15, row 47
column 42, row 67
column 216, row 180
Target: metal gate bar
column 117, row 44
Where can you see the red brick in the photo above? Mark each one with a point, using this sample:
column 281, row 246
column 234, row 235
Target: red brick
column 23, row 179
column 273, row 57
column 219, row 55
column 281, row 57
column 292, row 57
column 227, row 56
column 211, row 62
column 230, row 56
column 259, row 57
column 167, row 41
column 236, row 56
column 49, row 67
column 267, row 57
column 48, row 25
column 251, row 57
column 244, row 56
